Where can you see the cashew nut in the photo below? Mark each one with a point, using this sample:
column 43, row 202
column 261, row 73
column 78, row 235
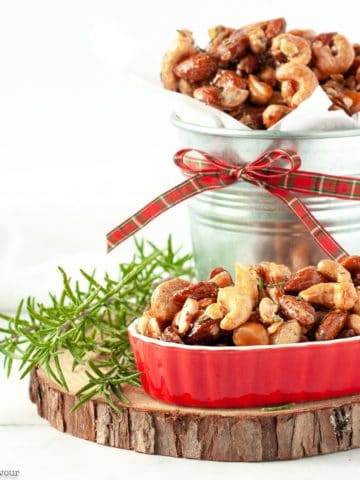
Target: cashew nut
column 260, row 92
column 274, row 113
column 238, row 305
column 332, row 295
column 335, row 58
column 296, row 49
column 333, row 270
column 302, row 77
column 246, row 281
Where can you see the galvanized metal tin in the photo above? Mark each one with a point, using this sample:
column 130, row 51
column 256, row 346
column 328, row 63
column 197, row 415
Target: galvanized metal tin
column 244, row 223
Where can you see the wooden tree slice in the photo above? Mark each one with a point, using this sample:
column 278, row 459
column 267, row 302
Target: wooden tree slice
column 153, row 427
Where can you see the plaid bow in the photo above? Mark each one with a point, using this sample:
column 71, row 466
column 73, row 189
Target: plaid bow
column 206, row 172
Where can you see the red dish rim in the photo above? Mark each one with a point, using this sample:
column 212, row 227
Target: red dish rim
column 135, row 334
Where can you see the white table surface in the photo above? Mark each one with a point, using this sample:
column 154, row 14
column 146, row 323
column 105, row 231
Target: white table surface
column 75, row 131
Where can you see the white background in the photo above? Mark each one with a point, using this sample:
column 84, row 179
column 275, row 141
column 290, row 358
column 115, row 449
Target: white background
column 82, row 145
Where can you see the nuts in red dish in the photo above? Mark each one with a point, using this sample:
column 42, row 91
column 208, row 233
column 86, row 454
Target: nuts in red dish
column 259, row 73
column 264, row 304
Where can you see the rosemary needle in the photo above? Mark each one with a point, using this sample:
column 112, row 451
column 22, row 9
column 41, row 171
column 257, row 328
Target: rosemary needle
column 91, row 316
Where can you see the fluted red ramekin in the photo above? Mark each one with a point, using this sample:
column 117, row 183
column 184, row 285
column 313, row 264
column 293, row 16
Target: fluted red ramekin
column 226, row 377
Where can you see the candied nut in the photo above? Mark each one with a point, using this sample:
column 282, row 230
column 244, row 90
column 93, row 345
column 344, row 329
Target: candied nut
column 209, row 95
column 356, row 307
column 163, row 306
column 232, row 87
column 246, row 281
column 217, row 36
column 273, row 273
column 251, row 117
column 250, row 333
column 196, row 68
column 215, row 271
column 205, row 302
column 298, row 310
column 257, row 40
column 222, row 279
column 333, row 270
column 289, row 332
column 268, row 76
column 302, row 279
column 238, row 305
column 274, row 113
column 204, row 331
column 268, row 310
column 170, row 334
column 331, row 295
column 271, row 28
column 295, row 48
column 185, row 87
column 347, row 333
column 184, row 47
column 308, row 34
column 228, row 78
column 331, row 326
column 215, row 311
column 148, row 325
column 187, row 315
column 233, row 47
column 353, row 322
column 333, row 53
column 248, row 64
column 260, row 92
column 274, row 27
column 274, row 327
column 302, row 76
column 197, row 291
column 354, row 97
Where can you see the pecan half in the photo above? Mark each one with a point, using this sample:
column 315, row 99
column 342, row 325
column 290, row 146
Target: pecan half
column 331, row 326
column 299, row 310
column 197, row 291
column 302, row 279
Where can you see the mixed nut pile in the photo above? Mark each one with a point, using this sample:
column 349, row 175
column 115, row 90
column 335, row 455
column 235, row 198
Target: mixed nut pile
column 259, row 73
column 266, row 304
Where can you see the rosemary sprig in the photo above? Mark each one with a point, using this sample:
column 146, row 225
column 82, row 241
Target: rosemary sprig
column 90, row 317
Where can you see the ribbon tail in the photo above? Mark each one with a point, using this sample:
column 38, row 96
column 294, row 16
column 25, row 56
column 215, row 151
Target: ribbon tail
column 323, row 238
column 190, row 187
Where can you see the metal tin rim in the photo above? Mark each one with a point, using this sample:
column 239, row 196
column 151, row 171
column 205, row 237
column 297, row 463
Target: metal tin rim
column 263, row 134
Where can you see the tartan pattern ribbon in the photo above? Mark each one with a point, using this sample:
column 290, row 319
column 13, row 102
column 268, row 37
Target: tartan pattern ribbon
column 207, row 172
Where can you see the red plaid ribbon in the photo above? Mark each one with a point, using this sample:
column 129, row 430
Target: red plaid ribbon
column 206, row 172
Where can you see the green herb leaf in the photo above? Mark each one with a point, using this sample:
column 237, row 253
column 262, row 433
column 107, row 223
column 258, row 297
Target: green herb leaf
column 275, row 408
column 90, row 317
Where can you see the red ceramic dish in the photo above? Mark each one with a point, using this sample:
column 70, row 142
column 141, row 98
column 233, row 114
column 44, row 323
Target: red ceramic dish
column 226, row 377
